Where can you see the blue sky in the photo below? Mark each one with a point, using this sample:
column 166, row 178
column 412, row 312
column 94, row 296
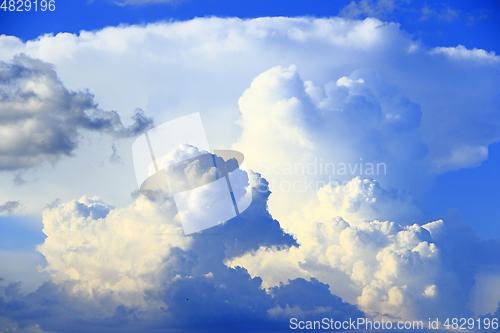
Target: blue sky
column 412, row 85
column 475, row 194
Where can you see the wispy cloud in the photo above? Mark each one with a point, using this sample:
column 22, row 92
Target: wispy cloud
column 449, row 14
column 378, row 8
column 115, row 158
column 18, row 179
column 145, row 2
column 460, row 52
column 10, row 207
column 386, row 9
column 477, row 16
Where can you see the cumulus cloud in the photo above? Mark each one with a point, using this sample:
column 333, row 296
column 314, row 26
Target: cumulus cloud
column 297, row 134
column 373, row 246
column 128, row 261
column 132, row 269
column 123, row 265
column 41, row 120
column 390, row 268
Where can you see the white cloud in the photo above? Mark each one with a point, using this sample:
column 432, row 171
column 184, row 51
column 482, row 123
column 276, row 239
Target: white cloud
column 110, row 250
column 130, row 250
column 132, row 269
column 368, row 253
column 299, row 135
column 464, row 156
column 460, row 52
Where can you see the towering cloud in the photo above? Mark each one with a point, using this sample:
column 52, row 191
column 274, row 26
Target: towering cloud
column 301, row 136
column 369, row 242
column 345, row 121
column 385, row 266
column 132, row 269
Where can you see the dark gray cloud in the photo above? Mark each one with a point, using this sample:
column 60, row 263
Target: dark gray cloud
column 10, row 207
column 40, row 120
column 229, row 302
column 309, row 295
